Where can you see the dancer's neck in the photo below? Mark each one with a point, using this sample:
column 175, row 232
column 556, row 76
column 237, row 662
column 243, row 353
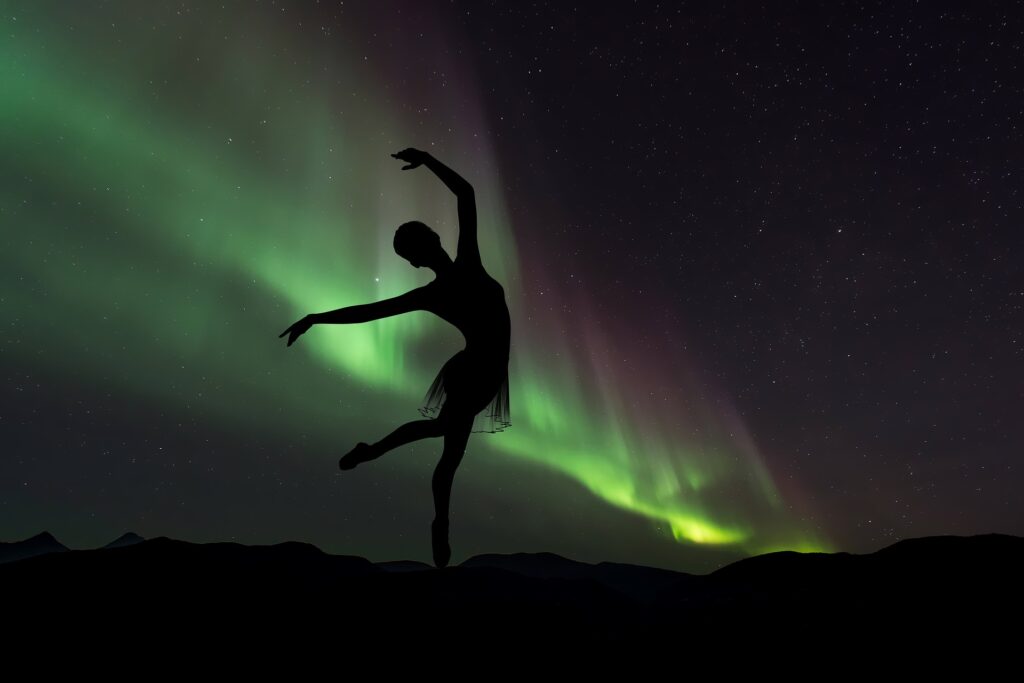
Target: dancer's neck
column 443, row 267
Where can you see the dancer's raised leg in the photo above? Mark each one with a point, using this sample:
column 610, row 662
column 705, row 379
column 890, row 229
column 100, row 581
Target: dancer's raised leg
column 410, row 431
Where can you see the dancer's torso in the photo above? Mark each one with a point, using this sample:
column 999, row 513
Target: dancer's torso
column 474, row 302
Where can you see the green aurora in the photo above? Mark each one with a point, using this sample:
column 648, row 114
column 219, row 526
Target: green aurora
column 182, row 188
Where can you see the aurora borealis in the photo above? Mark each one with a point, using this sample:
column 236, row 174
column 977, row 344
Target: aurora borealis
column 182, row 181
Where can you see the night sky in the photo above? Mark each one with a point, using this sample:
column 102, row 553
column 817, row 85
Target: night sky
column 763, row 265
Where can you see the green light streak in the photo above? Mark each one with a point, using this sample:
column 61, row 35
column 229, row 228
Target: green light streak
column 178, row 237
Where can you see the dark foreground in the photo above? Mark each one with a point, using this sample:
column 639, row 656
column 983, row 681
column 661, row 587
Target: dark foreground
column 948, row 589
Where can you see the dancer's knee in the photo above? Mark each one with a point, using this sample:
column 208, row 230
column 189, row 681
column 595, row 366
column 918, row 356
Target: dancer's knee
column 427, row 428
column 451, row 457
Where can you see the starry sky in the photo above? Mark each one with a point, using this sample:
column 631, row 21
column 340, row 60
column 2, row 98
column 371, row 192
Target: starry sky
column 762, row 263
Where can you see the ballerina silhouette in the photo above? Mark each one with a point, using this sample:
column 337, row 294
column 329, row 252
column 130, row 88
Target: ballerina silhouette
column 476, row 377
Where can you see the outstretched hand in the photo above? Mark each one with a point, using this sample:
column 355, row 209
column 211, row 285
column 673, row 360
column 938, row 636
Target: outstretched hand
column 415, row 157
column 298, row 329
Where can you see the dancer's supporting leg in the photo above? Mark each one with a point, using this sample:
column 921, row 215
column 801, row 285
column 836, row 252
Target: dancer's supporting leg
column 456, row 436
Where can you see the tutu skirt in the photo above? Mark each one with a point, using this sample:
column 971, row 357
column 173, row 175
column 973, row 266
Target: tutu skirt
column 494, row 417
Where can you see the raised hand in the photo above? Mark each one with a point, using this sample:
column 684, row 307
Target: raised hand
column 413, row 156
column 298, row 329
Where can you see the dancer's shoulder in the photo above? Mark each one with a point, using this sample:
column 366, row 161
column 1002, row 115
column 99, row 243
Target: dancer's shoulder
column 470, row 267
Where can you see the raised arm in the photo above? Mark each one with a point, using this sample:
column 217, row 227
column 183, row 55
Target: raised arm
column 469, row 249
column 453, row 180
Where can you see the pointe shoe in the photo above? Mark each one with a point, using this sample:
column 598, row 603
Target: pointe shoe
column 439, row 541
column 355, row 456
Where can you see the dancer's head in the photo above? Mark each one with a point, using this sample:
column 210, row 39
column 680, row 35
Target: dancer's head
column 421, row 246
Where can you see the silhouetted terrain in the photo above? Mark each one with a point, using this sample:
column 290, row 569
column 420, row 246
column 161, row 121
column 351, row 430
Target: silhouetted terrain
column 942, row 584
column 125, row 539
column 642, row 583
column 40, row 544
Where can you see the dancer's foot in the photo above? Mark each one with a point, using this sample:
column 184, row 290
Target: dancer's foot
column 439, row 540
column 360, row 453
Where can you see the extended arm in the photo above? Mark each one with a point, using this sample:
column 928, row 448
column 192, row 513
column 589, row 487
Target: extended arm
column 413, row 300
